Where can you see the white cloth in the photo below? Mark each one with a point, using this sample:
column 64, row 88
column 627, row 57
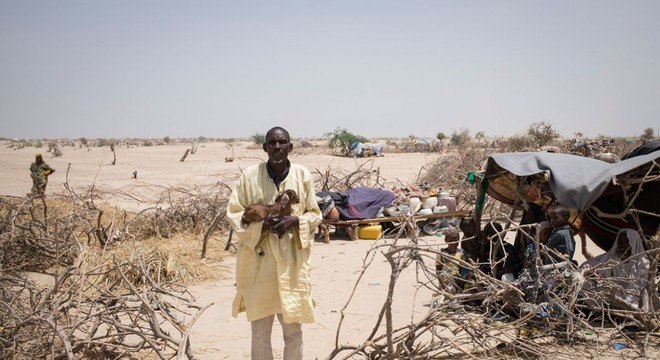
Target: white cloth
column 359, row 149
column 630, row 276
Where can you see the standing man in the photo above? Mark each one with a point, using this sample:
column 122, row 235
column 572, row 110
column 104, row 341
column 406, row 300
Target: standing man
column 273, row 276
column 39, row 172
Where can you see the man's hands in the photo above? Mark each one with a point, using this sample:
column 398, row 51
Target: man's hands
column 278, row 224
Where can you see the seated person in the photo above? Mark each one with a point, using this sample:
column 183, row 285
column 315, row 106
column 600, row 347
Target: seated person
column 533, row 215
column 561, row 241
column 543, row 230
column 469, row 243
column 489, row 244
column 500, row 252
column 450, row 274
column 478, row 247
column 621, row 271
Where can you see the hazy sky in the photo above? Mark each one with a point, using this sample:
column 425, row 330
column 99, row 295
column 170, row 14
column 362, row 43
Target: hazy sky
column 379, row 68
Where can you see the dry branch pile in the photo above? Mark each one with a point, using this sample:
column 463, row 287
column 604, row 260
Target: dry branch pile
column 341, row 180
column 96, row 306
column 449, row 173
column 180, row 209
column 111, row 310
column 30, row 239
column 546, row 314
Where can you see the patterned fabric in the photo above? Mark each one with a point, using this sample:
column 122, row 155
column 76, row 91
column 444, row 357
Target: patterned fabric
column 279, row 280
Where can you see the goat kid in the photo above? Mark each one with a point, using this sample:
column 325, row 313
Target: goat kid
column 282, row 207
column 259, row 212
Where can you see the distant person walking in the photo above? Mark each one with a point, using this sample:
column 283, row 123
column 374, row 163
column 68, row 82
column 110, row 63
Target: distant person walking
column 39, row 172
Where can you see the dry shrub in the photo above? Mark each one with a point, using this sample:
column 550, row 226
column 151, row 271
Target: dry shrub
column 181, row 209
column 461, row 138
column 542, row 133
column 622, row 146
column 551, row 311
column 95, row 312
column 340, row 180
column 36, row 234
column 113, row 294
column 519, row 143
column 175, row 259
column 449, row 172
column 412, row 144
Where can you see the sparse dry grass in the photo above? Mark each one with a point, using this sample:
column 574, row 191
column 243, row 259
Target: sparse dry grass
column 115, row 284
column 175, row 259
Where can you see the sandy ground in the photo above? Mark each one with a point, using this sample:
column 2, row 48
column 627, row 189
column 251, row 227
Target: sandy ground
column 160, row 165
column 336, row 266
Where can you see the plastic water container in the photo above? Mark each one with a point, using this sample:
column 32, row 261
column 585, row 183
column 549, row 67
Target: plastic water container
column 430, row 203
column 415, row 203
column 440, row 209
column 425, row 212
column 370, row 232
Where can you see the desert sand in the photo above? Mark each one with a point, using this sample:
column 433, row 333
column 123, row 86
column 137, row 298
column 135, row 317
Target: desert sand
column 160, row 165
column 336, row 266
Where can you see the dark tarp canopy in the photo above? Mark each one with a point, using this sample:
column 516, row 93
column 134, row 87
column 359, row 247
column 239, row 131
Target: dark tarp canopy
column 591, row 186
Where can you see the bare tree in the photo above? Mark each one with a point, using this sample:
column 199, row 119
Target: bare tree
column 648, row 134
column 114, row 154
column 542, row 133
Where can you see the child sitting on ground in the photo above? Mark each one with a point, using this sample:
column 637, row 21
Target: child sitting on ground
column 561, row 240
column 450, row 273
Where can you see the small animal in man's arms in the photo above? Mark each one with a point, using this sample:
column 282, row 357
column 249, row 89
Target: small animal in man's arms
column 281, row 207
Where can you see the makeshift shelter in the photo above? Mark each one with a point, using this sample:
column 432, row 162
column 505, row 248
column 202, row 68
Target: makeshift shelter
column 607, row 196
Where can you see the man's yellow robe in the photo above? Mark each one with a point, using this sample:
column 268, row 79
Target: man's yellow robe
column 279, row 280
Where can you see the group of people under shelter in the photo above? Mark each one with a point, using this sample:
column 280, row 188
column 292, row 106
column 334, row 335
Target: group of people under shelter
column 625, row 265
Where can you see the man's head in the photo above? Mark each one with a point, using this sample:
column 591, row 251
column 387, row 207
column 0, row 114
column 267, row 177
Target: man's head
column 492, row 230
column 39, row 159
column 277, row 145
column 468, row 226
column 559, row 216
